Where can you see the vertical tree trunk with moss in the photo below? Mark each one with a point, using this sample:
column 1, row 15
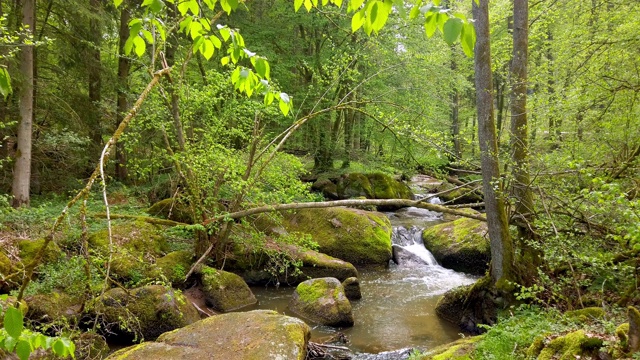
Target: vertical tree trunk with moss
column 498, row 225
column 95, row 74
column 22, row 167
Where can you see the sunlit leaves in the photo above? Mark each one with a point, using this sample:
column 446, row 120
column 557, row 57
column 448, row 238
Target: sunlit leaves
column 372, row 15
column 5, row 82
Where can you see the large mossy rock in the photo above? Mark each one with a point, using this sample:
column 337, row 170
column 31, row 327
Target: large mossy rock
column 322, row 301
column 461, row 245
column 225, row 291
column 254, row 265
column 450, row 193
column 29, row 249
column 370, row 186
column 574, row 345
column 254, row 335
column 175, row 265
column 470, row 306
column 171, row 209
column 357, row 236
column 146, row 311
column 5, row 270
column 136, row 247
column 46, row 308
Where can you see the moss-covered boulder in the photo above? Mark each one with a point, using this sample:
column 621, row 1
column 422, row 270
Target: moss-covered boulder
column 461, row 349
column 352, row 288
column 470, row 306
column 322, row 301
column 371, row 186
column 175, row 265
column 225, row 291
column 461, row 245
column 136, row 247
column 171, row 209
column 574, row 345
column 29, row 248
column 5, row 270
column 143, row 313
column 357, row 236
column 586, row 315
column 453, row 194
column 257, row 266
column 46, row 308
column 254, row 335
column 327, row 187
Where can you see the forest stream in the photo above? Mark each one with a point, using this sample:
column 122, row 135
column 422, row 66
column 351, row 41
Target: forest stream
column 397, row 309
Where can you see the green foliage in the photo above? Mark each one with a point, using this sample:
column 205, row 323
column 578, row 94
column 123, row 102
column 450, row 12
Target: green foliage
column 67, row 275
column 15, row 338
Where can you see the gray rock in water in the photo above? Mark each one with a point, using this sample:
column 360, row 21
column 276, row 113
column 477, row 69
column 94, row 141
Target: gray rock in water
column 253, row 335
column 322, row 301
column 352, row 288
column 402, row 256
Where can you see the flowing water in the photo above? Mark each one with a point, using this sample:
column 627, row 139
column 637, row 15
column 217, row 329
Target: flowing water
column 397, row 306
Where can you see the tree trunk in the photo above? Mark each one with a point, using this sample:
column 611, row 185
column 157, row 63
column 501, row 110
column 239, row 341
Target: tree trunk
column 521, row 189
column 124, row 65
column 455, row 118
column 22, row 168
column 95, row 76
column 500, row 240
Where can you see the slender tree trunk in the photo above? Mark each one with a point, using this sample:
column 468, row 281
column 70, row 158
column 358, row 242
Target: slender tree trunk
column 519, row 127
column 124, row 65
column 455, row 118
column 497, row 223
column 95, row 75
column 22, row 168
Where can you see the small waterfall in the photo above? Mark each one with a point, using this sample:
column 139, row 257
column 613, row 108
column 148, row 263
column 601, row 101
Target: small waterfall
column 408, row 248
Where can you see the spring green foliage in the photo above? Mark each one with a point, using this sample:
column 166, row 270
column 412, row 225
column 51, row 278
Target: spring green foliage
column 15, row 338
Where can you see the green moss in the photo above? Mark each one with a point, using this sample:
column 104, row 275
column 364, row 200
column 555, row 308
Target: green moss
column 386, row 187
column 622, row 332
column 5, row 265
column 569, row 346
column 458, row 350
column 174, row 265
column 310, row 292
column 44, row 308
column 29, row 249
column 586, row 315
column 461, row 245
column 225, row 291
column 356, row 236
column 536, row 346
column 171, row 209
column 355, row 185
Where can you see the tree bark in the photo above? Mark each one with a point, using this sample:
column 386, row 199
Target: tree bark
column 521, row 189
column 124, row 65
column 497, row 223
column 22, row 168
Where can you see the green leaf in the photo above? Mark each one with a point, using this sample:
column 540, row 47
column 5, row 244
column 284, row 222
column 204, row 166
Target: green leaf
column 58, row 348
column 284, row 107
column 183, row 7
column 205, row 24
column 23, row 349
column 128, row 45
column 430, row 24
column 225, row 32
column 451, row 30
column 297, row 4
column 215, row 41
column 5, row 83
column 415, row 11
column 357, row 20
column 262, row 68
column 140, row 46
column 156, row 5
column 13, row 322
column 186, row 24
column 194, row 7
column 117, row 3
column 196, row 30
column 207, row 49
column 224, row 60
column 148, row 36
column 308, row 5
column 468, row 39
column 354, row 5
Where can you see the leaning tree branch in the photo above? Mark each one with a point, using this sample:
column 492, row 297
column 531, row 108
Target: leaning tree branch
column 29, row 269
column 326, row 204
